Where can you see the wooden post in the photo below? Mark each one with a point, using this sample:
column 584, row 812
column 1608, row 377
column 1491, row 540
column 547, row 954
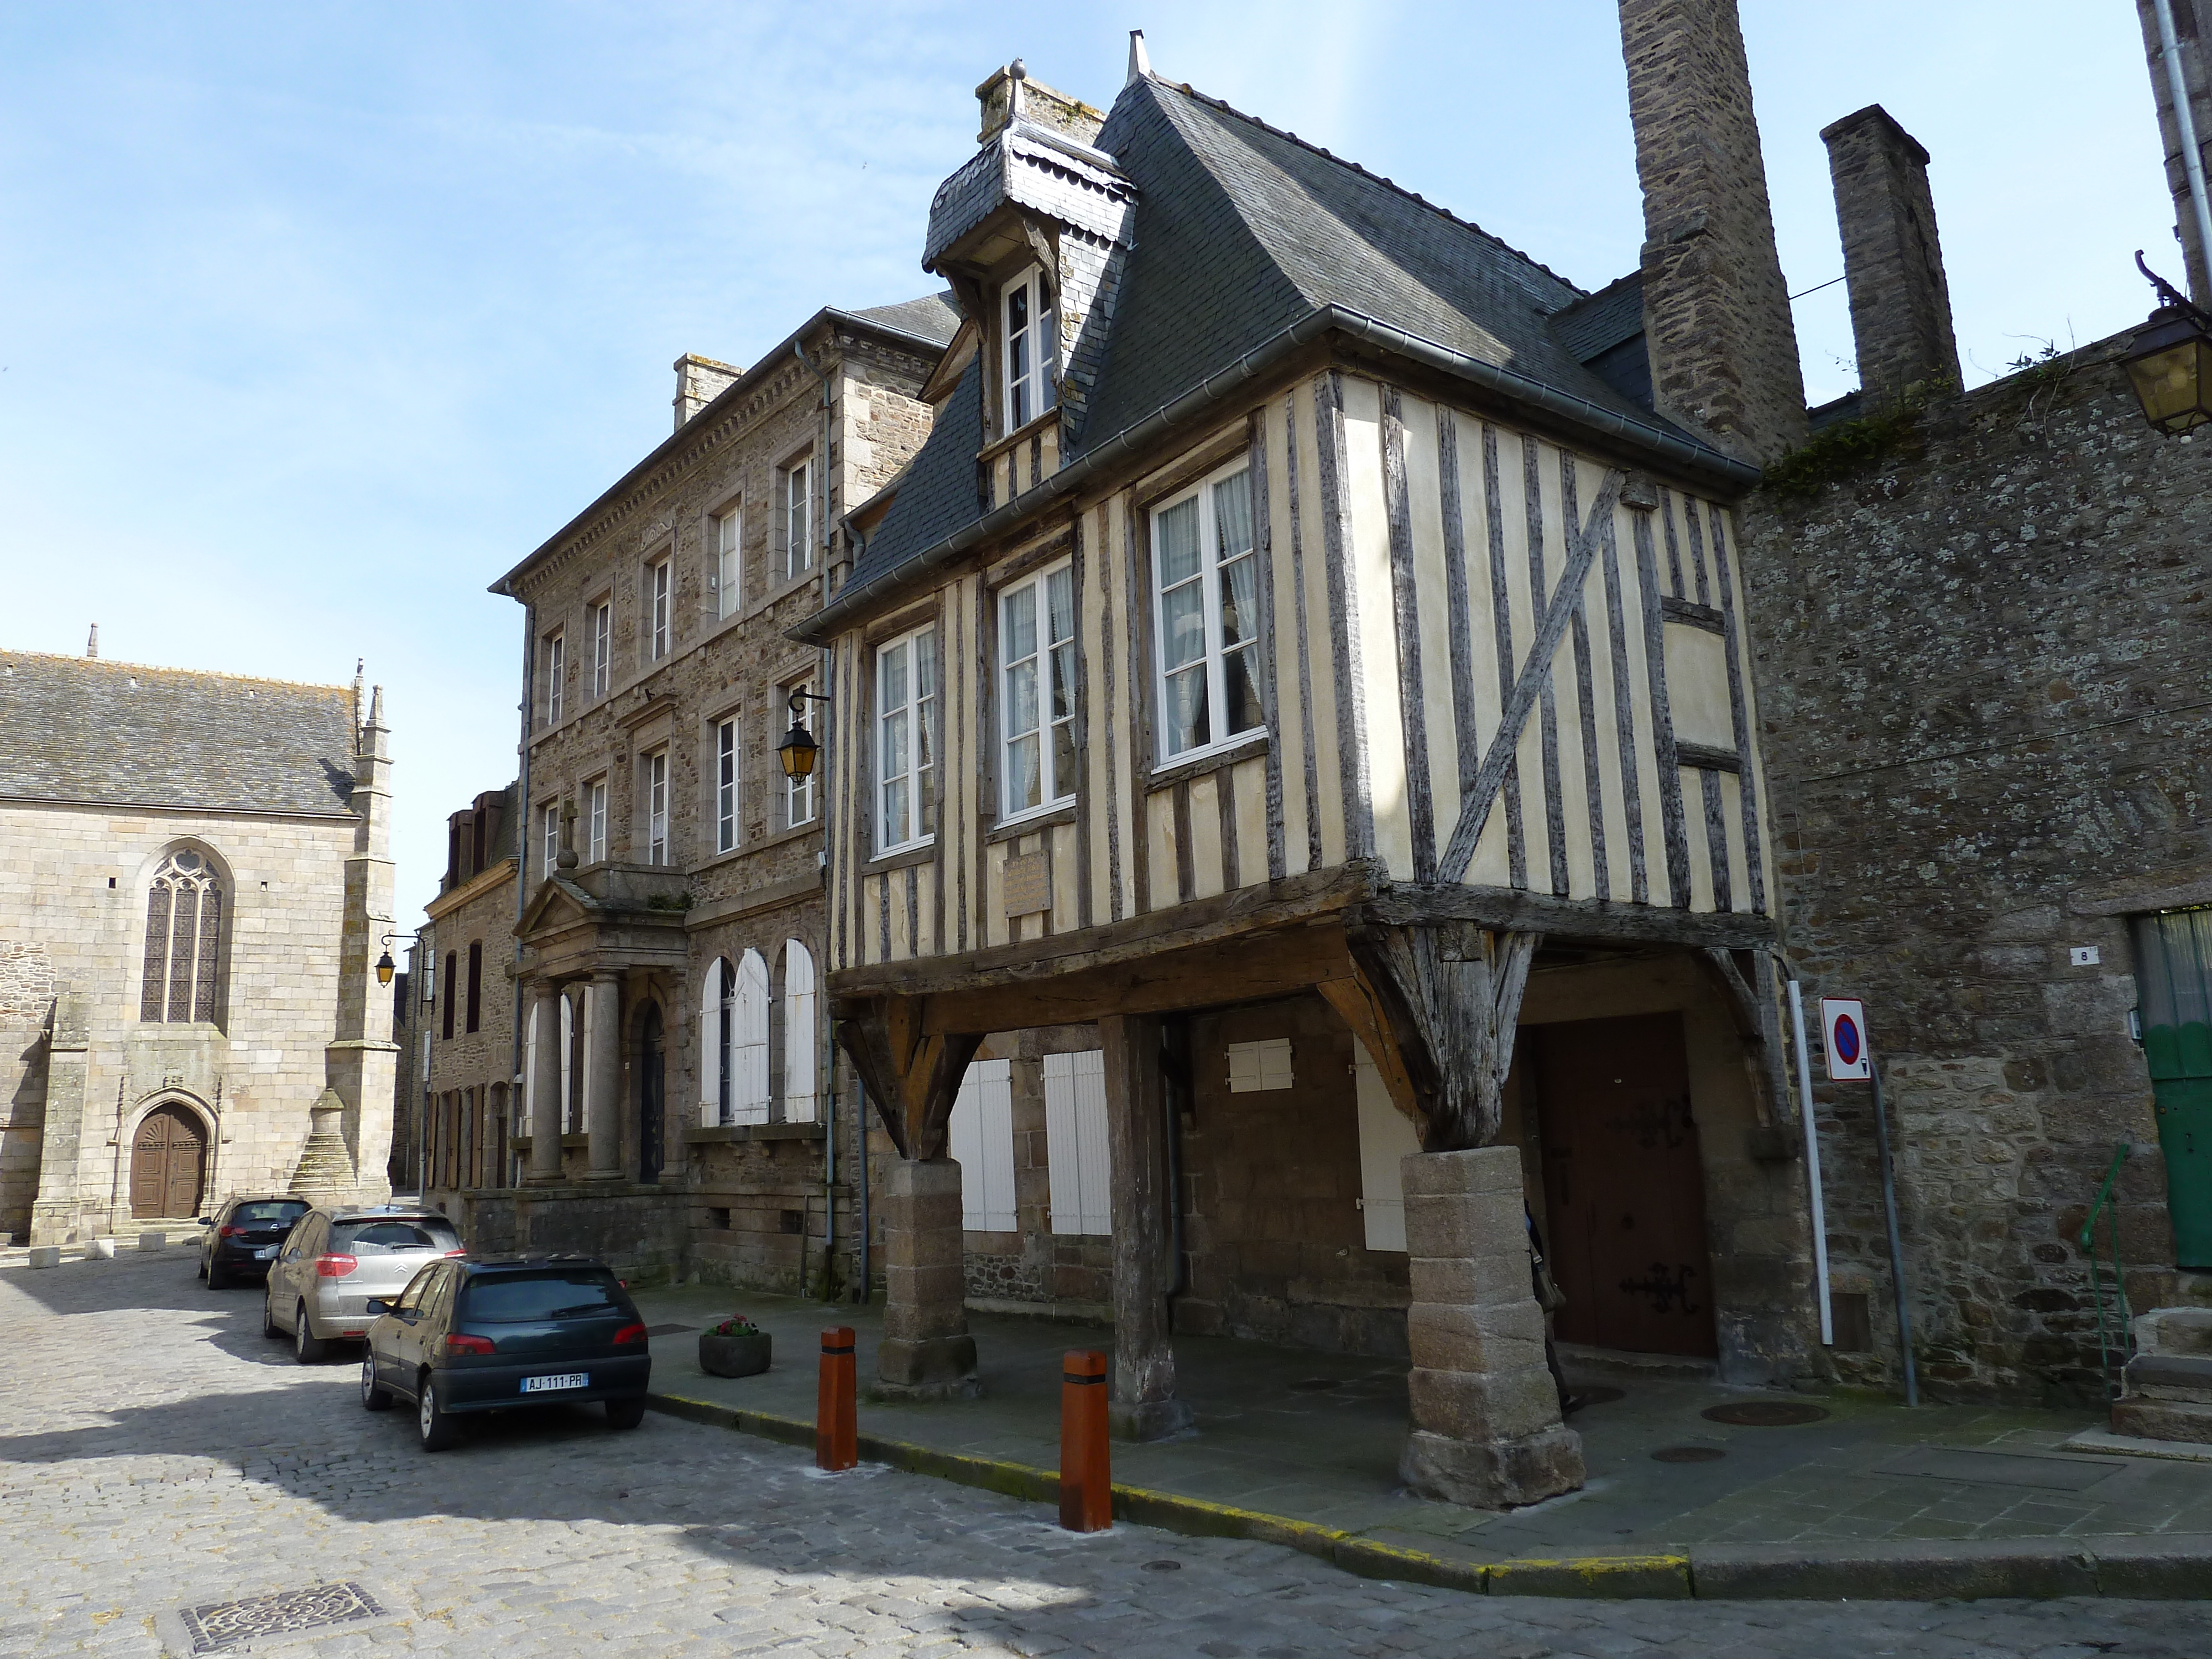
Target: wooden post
column 1144, row 1406
column 1086, row 1476
column 1450, row 995
column 836, row 1418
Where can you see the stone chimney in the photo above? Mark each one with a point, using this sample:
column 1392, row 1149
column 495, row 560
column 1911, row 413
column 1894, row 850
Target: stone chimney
column 2191, row 46
column 1715, row 311
column 1900, row 304
column 1010, row 92
column 92, row 642
column 699, row 381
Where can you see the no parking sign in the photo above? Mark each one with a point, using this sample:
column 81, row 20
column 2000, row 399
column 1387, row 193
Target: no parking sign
column 1843, row 1026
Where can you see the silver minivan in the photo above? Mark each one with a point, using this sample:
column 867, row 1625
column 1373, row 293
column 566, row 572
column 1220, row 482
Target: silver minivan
column 336, row 1259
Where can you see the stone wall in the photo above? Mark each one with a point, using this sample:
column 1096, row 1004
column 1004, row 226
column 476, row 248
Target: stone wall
column 471, row 1095
column 1032, row 1265
column 1981, row 670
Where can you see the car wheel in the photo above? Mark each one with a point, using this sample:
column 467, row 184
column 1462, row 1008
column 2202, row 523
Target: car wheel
column 270, row 1327
column 374, row 1396
column 307, row 1347
column 203, row 1267
column 217, row 1278
column 625, row 1413
column 433, row 1427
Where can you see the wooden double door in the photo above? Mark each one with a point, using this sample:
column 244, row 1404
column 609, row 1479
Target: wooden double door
column 1624, row 1186
column 168, row 1164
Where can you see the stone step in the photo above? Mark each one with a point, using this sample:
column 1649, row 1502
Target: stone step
column 2163, row 1420
column 2186, row 1378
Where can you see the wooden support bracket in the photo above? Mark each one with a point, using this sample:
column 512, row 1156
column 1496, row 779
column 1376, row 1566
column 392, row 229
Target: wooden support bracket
column 913, row 1075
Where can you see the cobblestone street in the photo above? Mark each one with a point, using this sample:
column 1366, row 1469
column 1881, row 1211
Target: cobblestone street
column 160, row 1455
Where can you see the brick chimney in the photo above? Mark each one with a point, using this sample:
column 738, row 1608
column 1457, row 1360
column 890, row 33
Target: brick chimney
column 2191, row 46
column 699, row 381
column 1715, row 311
column 1900, row 304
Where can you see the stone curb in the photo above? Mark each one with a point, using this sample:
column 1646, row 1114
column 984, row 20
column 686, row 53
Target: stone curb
column 2150, row 1567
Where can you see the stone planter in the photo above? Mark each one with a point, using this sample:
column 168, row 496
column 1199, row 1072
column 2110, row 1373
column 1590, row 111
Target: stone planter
column 733, row 1356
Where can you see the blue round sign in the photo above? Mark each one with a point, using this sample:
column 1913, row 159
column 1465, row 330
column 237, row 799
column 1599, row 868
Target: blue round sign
column 1847, row 1040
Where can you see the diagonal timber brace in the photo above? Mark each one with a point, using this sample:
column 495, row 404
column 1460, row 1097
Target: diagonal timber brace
column 1445, row 998
column 913, row 1076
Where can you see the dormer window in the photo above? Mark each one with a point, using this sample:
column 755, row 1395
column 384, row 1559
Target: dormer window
column 1030, row 350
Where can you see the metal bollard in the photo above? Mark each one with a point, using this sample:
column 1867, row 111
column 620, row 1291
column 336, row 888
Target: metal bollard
column 1086, row 1475
column 836, row 1418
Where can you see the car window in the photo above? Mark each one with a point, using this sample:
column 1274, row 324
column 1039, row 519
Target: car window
column 411, row 1299
column 269, row 1211
column 555, row 1293
column 385, row 1236
column 301, row 1239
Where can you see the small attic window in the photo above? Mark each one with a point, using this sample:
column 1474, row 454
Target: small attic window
column 1029, row 349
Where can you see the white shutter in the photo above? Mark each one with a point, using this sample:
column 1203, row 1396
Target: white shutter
column 799, row 1036
column 567, row 1052
column 748, row 1092
column 982, row 1143
column 529, row 1070
column 710, row 1046
column 1385, row 1137
column 1256, row 1066
column 1079, row 1164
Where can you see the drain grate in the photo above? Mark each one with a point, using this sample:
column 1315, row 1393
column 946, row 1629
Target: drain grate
column 1764, row 1414
column 668, row 1330
column 220, row 1625
column 1687, row 1455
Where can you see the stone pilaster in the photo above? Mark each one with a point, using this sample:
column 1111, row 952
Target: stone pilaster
column 1486, row 1429
column 926, row 1352
column 546, row 1088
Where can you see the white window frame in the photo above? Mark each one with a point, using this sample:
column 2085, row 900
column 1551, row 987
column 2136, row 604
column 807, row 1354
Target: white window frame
column 603, row 647
column 919, row 711
column 1079, row 1159
column 798, row 792
column 980, row 1139
column 1215, row 653
column 1028, row 353
column 728, row 565
column 656, row 807
column 557, row 667
column 1049, row 663
column 660, row 590
column 725, row 784
column 798, row 517
column 549, row 820
column 595, row 820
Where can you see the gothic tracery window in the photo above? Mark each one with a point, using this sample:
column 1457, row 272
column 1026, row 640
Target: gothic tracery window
column 184, row 941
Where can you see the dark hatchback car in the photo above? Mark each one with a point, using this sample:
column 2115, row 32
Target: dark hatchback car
column 485, row 1333
column 243, row 1237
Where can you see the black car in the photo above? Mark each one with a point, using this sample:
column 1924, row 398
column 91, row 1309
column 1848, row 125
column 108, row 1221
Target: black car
column 482, row 1333
column 243, row 1237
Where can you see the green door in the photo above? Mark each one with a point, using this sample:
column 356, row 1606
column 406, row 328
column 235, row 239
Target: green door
column 2173, row 975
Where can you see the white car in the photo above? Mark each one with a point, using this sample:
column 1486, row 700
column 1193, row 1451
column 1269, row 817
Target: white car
column 336, row 1260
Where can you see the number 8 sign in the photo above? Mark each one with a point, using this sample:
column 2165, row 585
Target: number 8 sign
column 1842, row 1028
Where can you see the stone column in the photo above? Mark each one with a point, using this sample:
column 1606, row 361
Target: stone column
column 926, row 1352
column 603, row 1112
column 1143, row 1404
column 546, row 1087
column 59, row 1210
column 1486, row 1429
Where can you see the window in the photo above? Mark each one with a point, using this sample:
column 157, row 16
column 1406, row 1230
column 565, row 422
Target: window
column 452, row 977
column 726, row 585
column 184, row 941
column 799, row 1036
column 656, row 595
column 1081, row 1168
column 734, row 1047
column 1256, row 1066
column 556, row 669
column 798, row 519
column 549, row 818
column 1036, row 651
column 595, row 819
column 982, row 1142
column 1029, row 350
column 1205, row 616
column 798, row 792
column 603, row 646
column 726, row 784
column 476, row 983
column 656, row 807
column 906, row 713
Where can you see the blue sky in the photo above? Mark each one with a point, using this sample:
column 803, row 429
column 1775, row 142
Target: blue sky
column 315, row 320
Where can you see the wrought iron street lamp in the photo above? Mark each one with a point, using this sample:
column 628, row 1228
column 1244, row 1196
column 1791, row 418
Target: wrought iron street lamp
column 2169, row 362
column 385, row 966
column 799, row 751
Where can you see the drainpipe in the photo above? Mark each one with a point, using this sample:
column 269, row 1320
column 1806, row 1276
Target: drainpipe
column 827, row 1072
column 521, row 854
column 2192, row 159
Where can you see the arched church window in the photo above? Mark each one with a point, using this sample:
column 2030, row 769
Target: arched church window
column 184, row 941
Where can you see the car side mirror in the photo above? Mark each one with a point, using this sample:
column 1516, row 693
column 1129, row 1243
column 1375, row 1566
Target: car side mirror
column 377, row 1304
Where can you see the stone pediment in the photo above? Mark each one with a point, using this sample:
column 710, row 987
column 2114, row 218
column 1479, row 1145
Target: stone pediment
column 612, row 916
column 559, row 903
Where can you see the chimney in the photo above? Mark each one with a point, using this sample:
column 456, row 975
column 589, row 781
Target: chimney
column 1010, row 93
column 2189, row 49
column 699, row 381
column 1716, row 312
column 92, row 642
column 1900, row 304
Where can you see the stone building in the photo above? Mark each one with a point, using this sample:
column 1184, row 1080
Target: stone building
column 193, row 884
column 680, row 1105
column 468, row 1123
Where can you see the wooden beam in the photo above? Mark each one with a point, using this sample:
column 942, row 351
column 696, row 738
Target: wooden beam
column 1360, row 1006
column 1452, row 993
column 912, row 1074
column 1591, row 920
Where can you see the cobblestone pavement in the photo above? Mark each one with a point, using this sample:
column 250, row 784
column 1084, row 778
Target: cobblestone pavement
column 160, row 1455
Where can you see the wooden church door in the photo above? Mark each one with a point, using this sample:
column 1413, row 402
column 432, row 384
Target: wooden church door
column 167, row 1158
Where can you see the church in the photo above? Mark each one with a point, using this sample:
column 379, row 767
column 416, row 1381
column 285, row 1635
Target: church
column 194, row 882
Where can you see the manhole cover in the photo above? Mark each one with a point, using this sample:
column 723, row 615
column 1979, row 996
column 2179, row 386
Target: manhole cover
column 1600, row 1397
column 1312, row 1384
column 1764, row 1414
column 1163, row 1566
column 1687, row 1455
column 221, row 1624
column 668, row 1330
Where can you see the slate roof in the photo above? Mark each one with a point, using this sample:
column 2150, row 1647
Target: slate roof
column 1604, row 333
column 83, row 729
column 1243, row 231
column 933, row 317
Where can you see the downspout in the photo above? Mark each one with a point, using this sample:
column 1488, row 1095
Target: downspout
column 2192, row 160
column 827, row 1072
column 516, row 1088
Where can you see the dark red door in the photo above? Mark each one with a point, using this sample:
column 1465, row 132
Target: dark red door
column 167, row 1158
column 1624, row 1188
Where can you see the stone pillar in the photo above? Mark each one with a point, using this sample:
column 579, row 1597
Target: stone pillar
column 362, row 1061
column 2188, row 42
column 58, row 1210
column 603, row 1112
column 1900, row 303
column 926, row 1352
column 1486, row 1429
column 1143, row 1404
column 546, row 1088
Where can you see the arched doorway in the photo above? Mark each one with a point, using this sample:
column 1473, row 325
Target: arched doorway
column 652, row 1094
column 169, row 1158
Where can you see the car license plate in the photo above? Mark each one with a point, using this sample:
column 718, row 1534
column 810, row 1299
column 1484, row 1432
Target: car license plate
column 547, row 1384
column 267, row 1253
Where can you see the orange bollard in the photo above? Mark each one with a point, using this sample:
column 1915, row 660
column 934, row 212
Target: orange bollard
column 1086, row 1474
column 836, row 1420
